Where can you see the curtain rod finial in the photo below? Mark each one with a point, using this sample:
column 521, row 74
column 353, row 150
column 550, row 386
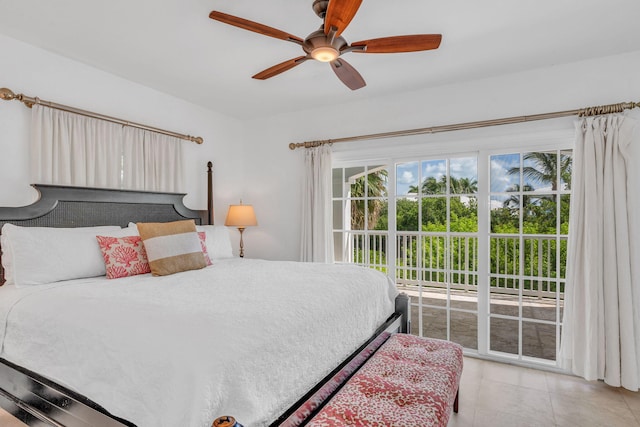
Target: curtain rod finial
column 292, row 146
column 7, row 94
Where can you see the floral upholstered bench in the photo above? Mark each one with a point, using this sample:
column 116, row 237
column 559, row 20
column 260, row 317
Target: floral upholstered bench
column 409, row 381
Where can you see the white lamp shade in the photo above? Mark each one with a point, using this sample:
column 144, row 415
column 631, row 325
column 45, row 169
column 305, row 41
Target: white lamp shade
column 240, row 216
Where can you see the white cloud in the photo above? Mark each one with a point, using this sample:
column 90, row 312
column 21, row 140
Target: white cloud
column 464, row 167
column 435, row 168
column 406, row 177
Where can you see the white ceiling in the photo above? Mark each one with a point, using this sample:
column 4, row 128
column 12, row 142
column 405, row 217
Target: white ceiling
column 173, row 46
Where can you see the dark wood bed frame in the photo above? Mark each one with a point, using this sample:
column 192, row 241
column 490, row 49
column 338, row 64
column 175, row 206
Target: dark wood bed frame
column 37, row 401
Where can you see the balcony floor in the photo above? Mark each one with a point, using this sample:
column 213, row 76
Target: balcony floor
column 538, row 339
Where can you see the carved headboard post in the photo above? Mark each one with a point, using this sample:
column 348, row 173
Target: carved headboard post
column 210, row 192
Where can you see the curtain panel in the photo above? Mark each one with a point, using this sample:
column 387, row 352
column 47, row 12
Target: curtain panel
column 71, row 149
column 317, row 221
column 601, row 324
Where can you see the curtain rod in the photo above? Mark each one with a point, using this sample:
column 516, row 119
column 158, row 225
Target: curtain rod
column 582, row 112
column 9, row 95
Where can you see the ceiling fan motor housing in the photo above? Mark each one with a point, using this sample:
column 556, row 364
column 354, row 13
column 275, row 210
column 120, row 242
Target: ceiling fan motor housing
column 320, row 7
column 318, row 39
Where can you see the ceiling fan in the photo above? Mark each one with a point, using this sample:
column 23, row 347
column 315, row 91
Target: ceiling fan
column 327, row 44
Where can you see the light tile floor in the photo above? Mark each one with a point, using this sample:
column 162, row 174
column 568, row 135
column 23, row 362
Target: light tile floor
column 495, row 394
column 6, row 420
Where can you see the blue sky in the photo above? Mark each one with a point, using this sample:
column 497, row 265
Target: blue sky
column 500, row 165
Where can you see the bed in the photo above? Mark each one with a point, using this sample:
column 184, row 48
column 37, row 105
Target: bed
column 264, row 341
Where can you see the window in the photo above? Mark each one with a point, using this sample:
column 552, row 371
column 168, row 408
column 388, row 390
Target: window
column 477, row 240
column 360, row 214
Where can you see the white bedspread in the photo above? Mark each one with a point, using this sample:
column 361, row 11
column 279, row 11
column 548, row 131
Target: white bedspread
column 243, row 337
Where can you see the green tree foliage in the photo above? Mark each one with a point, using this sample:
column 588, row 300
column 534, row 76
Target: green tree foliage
column 407, row 215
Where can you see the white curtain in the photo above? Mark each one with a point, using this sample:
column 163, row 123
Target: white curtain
column 71, row 149
column 601, row 325
column 152, row 161
column 317, row 238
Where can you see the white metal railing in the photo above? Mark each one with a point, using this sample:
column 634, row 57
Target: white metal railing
column 441, row 260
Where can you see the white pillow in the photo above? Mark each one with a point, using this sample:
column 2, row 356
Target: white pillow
column 218, row 241
column 133, row 228
column 6, row 259
column 39, row 255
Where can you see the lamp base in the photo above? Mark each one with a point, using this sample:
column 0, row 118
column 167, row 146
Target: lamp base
column 241, row 230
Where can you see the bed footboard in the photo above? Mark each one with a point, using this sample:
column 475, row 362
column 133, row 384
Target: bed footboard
column 403, row 307
column 37, row 401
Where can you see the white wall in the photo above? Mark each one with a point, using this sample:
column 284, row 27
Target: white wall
column 273, row 172
column 251, row 158
column 51, row 77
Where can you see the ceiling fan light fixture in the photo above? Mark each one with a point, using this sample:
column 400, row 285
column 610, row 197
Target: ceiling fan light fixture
column 324, row 54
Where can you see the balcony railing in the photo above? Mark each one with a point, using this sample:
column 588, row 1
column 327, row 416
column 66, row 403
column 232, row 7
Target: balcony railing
column 534, row 263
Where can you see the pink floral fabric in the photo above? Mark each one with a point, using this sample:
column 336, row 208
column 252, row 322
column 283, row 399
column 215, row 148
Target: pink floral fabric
column 304, row 411
column 123, row 256
column 203, row 244
column 410, row 381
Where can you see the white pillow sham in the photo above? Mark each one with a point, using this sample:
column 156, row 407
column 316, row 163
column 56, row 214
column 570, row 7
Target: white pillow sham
column 218, row 240
column 7, row 263
column 39, row 255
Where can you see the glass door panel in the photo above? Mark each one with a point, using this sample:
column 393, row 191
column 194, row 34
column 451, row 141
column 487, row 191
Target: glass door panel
column 437, row 246
column 529, row 204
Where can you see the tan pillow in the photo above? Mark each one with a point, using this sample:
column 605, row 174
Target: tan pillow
column 171, row 246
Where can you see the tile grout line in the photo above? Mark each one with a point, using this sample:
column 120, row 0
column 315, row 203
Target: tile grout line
column 626, row 402
column 553, row 411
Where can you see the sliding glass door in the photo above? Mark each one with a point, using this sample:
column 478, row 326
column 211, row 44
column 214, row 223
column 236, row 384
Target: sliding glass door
column 478, row 241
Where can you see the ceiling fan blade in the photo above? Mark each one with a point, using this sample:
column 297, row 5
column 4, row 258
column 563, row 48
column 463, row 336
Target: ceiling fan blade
column 280, row 68
column 339, row 14
column 400, row 43
column 347, row 74
column 253, row 26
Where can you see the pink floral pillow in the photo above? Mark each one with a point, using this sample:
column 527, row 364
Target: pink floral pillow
column 123, row 256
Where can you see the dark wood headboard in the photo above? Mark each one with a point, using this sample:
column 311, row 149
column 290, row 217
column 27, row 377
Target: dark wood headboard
column 61, row 206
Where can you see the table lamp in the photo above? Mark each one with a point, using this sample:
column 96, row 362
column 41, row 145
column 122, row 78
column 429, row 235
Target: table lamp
column 241, row 216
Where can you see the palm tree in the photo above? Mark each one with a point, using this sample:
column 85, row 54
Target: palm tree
column 513, row 202
column 431, row 185
column 545, row 169
column 463, row 185
column 376, row 184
